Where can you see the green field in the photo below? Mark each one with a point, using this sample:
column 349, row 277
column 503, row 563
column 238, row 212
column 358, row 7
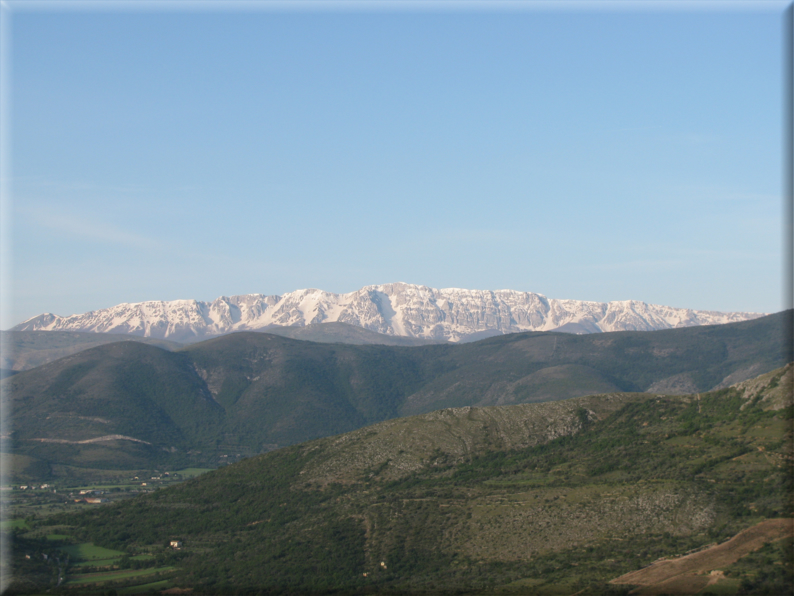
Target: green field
column 108, row 562
column 88, row 551
column 724, row 587
column 10, row 524
column 107, row 576
column 97, row 562
column 58, row 537
column 161, row 585
column 193, row 472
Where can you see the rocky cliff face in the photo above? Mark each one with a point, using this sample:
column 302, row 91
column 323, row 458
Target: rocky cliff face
column 394, row 309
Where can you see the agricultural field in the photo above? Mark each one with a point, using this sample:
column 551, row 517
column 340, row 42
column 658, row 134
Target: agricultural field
column 11, row 524
column 40, row 500
column 103, row 577
column 72, row 565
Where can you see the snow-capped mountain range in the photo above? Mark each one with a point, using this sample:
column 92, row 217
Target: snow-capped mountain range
column 394, row 309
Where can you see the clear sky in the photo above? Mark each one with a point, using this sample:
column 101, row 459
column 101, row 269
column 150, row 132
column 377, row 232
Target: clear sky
column 598, row 153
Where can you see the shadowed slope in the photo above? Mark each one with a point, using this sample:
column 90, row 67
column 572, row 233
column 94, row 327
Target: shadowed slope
column 345, row 333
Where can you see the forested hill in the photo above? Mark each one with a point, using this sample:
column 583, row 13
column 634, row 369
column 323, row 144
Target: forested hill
column 245, row 393
column 553, row 498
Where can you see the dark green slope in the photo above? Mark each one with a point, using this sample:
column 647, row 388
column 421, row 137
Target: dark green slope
column 81, row 402
column 241, row 393
column 246, row 393
column 284, row 391
column 345, row 333
column 547, row 498
column 525, row 367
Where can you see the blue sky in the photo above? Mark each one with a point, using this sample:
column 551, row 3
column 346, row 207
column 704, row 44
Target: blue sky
column 597, row 154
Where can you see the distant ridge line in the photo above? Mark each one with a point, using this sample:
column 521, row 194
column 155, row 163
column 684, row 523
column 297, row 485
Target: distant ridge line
column 397, row 309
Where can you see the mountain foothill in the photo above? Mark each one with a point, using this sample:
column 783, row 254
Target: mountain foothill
column 614, row 493
column 129, row 404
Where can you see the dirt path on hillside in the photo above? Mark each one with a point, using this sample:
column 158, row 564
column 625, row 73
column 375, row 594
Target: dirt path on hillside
column 690, row 574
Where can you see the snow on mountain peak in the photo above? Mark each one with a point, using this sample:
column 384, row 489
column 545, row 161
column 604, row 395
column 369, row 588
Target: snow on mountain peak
column 395, row 309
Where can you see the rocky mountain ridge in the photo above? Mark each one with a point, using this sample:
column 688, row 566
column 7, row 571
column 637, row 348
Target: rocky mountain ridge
column 397, row 309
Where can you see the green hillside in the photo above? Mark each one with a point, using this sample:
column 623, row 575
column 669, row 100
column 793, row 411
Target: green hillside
column 345, row 333
column 127, row 404
column 152, row 397
column 526, row 367
column 551, row 498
